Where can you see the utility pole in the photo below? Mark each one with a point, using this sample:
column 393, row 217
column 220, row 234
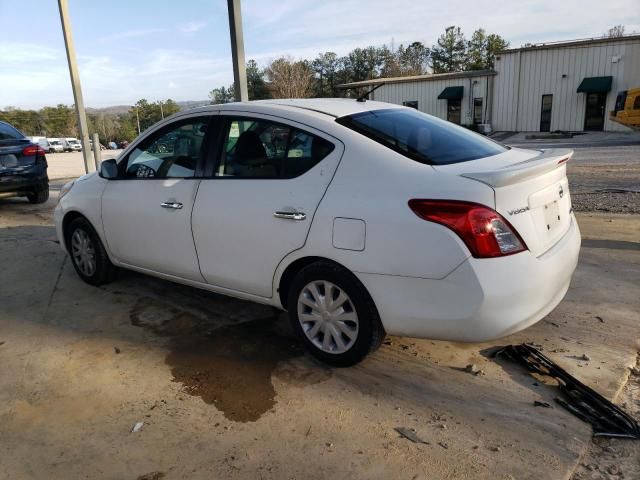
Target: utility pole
column 237, row 51
column 161, row 111
column 137, row 120
column 65, row 20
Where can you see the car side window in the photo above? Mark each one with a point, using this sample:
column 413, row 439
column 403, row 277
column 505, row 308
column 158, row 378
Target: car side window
column 255, row 148
column 172, row 153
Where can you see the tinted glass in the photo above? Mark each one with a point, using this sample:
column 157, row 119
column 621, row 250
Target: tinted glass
column 422, row 137
column 173, row 153
column 7, row 132
column 262, row 149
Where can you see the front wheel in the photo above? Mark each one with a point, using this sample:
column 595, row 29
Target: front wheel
column 88, row 255
column 334, row 315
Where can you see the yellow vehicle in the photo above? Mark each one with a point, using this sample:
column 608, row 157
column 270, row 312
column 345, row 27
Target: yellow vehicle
column 627, row 109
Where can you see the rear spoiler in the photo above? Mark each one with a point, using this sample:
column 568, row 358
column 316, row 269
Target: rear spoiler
column 547, row 161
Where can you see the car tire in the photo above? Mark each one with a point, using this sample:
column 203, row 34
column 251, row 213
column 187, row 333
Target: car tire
column 40, row 196
column 88, row 255
column 342, row 325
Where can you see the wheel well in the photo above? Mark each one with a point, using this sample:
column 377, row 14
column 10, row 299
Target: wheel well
column 290, row 273
column 68, row 218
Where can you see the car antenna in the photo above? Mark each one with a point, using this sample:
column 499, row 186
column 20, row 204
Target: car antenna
column 364, row 97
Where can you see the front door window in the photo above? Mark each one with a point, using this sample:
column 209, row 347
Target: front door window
column 172, row 153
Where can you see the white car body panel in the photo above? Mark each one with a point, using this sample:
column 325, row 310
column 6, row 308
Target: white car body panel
column 420, row 275
column 239, row 241
column 139, row 232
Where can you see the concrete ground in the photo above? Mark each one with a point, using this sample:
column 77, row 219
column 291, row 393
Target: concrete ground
column 223, row 390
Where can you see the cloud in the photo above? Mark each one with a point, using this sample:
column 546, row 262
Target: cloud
column 191, row 27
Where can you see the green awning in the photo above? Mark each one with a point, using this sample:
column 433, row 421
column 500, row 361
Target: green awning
column 451, row 93
column 595, row 85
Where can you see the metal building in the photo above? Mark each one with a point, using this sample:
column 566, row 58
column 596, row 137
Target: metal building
column 460, row 97
column 569, row 86
column 565, row 85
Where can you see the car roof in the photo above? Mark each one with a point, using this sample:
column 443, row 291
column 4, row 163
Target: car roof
column 334, row 107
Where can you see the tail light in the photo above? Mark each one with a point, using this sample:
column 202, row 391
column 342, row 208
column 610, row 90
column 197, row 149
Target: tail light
column 483, row 230
column 33, row 150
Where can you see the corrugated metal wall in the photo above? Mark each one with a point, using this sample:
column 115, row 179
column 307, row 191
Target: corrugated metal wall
column 426, row 93
column 524, row 76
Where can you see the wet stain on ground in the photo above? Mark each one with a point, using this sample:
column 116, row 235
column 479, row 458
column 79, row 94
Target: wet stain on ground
column 227, row 364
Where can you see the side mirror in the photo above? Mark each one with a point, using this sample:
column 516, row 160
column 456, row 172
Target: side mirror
column 109, row 169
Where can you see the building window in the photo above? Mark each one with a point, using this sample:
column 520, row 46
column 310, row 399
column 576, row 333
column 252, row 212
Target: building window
column 411, row 103
column 453, row 110
column 477, row 110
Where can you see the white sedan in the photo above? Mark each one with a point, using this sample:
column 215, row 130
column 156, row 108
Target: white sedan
column 359, row 218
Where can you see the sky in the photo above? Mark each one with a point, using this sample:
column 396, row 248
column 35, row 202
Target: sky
column 154, row 49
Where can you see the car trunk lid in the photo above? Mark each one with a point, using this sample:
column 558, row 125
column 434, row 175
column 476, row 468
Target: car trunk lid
column 531, row 191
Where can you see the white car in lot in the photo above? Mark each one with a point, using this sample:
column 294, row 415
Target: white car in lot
column 55, row 145
column 358, row 218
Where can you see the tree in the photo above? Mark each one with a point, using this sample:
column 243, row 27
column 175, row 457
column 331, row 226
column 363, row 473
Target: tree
column 326, row 66
column 477, row 50
column 290, row 78
column 390, row 64
column 169, row 107
column 414, row 59
column 222, row 95
column 59, row 121
column 256, row 86
column 615, row 31
column 482, row 49
column 495, row 44
column 449, row 55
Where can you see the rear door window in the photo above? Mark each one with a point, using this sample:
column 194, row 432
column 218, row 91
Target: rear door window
column 257, row 148
column 421, row 137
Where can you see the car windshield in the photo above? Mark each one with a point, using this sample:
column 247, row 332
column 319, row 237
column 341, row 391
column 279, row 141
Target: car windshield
column 422, row 137
column 7, row 132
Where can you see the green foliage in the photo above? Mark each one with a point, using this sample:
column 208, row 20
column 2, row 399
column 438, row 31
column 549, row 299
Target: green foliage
column 256, row 86
column 222, row 95
column 450, row 53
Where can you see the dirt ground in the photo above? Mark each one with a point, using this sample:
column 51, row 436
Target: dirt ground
column 223, row 390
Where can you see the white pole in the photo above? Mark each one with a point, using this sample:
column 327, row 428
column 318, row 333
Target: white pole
column 89, row 166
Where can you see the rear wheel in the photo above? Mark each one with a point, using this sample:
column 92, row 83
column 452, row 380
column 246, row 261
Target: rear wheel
column 88, row 255
column 333, row 314
column 40, row 196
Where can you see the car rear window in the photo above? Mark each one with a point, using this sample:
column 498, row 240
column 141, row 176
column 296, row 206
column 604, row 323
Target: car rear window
column 7, row 132
column 421, row 137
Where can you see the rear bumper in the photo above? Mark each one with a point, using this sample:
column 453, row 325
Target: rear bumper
column 28, row 181
column 481, row 299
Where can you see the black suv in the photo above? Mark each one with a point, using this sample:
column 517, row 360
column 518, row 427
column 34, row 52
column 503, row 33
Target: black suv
column 23, row 166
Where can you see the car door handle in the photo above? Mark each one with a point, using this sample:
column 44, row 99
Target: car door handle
column 290, row 215
column 174, row 205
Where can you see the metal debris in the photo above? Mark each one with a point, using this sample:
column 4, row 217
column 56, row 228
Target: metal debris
column 607, row 419
column 538, row 403
column 410, row 435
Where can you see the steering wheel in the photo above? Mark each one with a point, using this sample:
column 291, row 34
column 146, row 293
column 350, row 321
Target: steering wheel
column 140, row 170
